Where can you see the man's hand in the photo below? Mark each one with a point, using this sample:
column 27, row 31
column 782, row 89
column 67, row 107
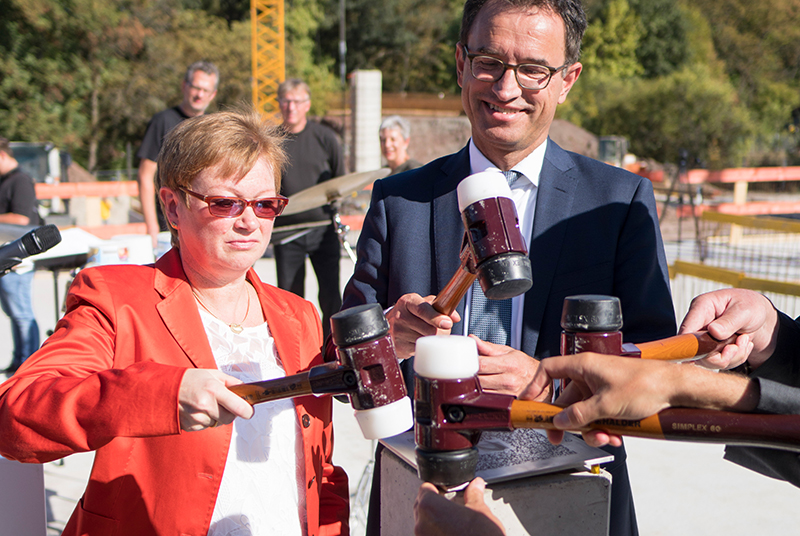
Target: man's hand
column 505, row 370
column 727, row 312
column 608, row 386
column 436, row 516
column 413, row 317
column 604, row 386
column 205, row 401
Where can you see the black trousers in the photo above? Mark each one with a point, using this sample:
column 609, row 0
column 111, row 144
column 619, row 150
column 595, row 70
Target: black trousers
column 322, row 247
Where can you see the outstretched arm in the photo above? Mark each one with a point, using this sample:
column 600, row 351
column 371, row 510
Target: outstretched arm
column 147, row 197
column 606, row 386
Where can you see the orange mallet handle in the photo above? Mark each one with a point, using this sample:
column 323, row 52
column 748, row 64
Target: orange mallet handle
column 680, row 424
column 686, row 347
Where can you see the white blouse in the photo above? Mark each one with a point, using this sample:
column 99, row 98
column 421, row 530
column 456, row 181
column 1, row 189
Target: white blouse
column 261, row 491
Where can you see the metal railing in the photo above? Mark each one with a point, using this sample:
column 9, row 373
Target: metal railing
column 756, row 253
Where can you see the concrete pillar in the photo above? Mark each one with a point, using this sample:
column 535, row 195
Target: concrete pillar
column 366, row 147
column 87, row 211
column 566, row 504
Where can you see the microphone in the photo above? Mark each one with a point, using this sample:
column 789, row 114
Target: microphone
column 32, row 243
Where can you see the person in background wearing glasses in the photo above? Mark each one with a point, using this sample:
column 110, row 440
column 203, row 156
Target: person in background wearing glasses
column 315, row 156
column 395, row 135
column 137, row 370
column 199, row 87
column 591, row 228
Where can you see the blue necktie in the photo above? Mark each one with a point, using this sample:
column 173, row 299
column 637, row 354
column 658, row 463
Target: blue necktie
column 490, row 320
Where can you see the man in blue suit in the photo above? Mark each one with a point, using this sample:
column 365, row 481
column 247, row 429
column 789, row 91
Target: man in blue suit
column 591, row 228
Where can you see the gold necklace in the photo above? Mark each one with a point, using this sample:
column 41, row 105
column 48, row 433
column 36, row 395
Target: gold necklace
column 235, row 327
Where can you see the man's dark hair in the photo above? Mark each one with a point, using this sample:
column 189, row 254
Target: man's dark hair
column 5, row 146
column 570, row 11
column 204, row 66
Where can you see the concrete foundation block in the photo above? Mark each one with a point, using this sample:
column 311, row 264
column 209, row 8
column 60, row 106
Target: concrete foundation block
column 567, row 504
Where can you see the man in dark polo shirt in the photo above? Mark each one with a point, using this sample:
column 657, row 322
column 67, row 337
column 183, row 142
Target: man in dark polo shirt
column 199, row 88
column 18, row 207
column 315, row 156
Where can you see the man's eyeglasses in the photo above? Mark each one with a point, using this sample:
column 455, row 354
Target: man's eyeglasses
column 289, row 102
column 529, row 75
column 202, row 89
column 230, row 207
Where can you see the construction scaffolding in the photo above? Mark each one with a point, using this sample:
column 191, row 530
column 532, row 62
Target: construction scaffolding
column 268, row 54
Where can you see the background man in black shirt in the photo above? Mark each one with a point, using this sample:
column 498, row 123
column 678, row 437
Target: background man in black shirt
column 315, row 156
column 199, row 87
column 18, row 207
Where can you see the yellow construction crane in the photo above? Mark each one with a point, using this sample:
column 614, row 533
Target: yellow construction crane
column 268, row 52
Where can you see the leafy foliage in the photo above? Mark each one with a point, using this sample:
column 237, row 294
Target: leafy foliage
column 691, row 92
column 412, row 42
column 663, row 46
column 610, row 43
column 88, row 74
column 719, row 77
column 303, row 19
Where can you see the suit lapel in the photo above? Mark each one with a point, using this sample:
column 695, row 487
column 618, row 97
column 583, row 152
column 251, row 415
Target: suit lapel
column 178, row 310
column 284, row 328
column 448, row 231
column 553, row 207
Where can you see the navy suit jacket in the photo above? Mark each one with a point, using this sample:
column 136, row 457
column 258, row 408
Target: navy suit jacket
column 779, row 392
column 595, row 231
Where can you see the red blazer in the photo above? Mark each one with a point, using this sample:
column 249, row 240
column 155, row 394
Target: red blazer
column 107, row 380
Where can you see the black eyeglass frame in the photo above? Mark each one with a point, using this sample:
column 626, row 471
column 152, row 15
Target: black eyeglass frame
column 515, row 68
column 209, row 199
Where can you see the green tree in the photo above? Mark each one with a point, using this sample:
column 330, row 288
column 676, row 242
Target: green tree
column 303, row 20
column 87, row 75
column 410, row 41
column 759, row 43
column 692, row 109
column 611, row 41
column 663, row 45
column 61, row 57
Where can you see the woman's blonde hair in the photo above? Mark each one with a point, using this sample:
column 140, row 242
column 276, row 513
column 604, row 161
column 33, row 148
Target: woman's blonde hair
column 231, row 141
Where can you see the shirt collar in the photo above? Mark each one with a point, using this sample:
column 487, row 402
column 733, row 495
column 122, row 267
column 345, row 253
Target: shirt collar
column 7, row 175
column 530, row 166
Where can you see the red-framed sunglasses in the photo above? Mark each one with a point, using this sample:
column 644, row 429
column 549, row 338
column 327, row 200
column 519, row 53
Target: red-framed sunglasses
column 230, row 207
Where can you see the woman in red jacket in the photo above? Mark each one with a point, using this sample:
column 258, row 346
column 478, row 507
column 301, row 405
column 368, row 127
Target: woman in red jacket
column 138, row 368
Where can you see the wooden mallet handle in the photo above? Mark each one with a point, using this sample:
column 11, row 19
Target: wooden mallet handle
column 447, row 300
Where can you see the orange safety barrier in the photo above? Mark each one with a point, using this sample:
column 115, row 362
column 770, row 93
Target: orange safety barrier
column 66, row 190
column 761, row 174
column 107, row 232
column 354, row 221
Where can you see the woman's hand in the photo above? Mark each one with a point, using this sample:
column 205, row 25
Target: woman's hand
column 204, row 400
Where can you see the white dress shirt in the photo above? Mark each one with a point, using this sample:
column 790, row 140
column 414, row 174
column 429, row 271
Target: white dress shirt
column 523, row 193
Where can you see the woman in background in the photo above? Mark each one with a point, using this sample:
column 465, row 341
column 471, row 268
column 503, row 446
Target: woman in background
column 395, row 134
